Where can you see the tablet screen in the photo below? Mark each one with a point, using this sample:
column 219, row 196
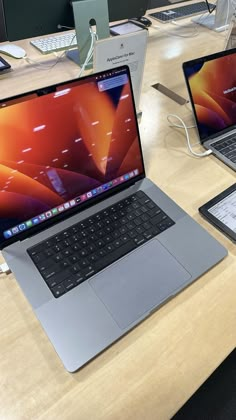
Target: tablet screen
column 125, row 28
column 221, row 211
column 225, row 211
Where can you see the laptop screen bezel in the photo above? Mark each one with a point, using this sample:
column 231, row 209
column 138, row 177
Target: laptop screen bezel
column 201, row 60
column 93, row 200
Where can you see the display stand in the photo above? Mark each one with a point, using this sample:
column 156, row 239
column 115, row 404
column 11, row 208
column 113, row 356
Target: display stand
column 218, row 20
column 88, row 13
column 231, row 36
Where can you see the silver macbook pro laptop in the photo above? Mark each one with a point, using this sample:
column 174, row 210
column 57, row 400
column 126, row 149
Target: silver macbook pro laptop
column 211, row 86
column 95, row 246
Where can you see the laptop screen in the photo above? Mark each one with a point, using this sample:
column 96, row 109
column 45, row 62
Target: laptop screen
column 211, row 83
column 64, row 146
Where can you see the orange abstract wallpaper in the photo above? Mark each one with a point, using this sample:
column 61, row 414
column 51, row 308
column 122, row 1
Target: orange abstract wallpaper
column 213, row 90
column 61, row 145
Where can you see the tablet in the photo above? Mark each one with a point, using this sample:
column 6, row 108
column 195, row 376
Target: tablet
column 125, row 28
column 4, row 65
column 221, row 211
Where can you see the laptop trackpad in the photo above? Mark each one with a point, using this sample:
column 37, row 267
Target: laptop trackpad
column 139, row 282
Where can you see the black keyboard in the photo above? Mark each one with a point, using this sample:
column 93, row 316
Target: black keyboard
column 77, row 253
column 181, row 12
column 227, row 147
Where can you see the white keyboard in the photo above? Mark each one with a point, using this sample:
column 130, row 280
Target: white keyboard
column 55, row 43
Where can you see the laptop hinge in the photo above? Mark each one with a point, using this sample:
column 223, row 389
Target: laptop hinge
column 226, row 134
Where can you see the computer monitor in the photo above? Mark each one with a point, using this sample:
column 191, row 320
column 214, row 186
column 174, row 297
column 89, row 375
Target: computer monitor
column 3, row 35
column 42, row 17
column 154, row 4
column 32, row 18
column 220, row 18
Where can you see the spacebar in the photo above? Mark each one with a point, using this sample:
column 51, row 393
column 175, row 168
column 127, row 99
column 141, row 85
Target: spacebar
column 114, row 256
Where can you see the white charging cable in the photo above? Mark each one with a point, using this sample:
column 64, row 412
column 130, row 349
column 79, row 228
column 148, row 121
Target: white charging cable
column 4, row 269
column 183, row 125
column 94, row 38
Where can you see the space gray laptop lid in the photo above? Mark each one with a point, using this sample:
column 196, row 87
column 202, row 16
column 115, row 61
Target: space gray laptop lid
column 211, row 86
column 64, row 148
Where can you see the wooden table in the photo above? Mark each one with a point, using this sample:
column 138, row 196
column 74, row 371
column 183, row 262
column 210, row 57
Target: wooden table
column 152, row 371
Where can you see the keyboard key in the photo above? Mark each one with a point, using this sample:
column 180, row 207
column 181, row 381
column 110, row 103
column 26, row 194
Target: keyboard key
column 58, row 290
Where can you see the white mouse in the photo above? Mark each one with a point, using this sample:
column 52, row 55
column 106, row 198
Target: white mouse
column 12, row 50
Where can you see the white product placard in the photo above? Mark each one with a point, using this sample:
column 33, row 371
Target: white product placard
column 129, row 49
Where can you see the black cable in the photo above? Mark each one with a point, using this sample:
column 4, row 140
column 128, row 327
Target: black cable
column 208, row 7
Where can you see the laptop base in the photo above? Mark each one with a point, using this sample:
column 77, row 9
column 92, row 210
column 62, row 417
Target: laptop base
column 82, row 323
